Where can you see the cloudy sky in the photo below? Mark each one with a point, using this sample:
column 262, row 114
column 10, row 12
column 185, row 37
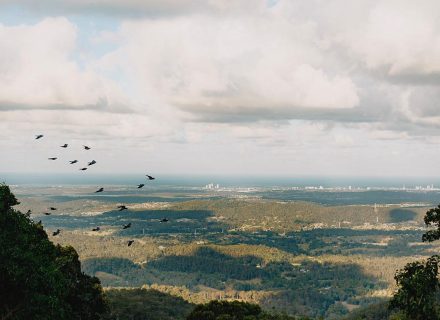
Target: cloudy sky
column 284, row 87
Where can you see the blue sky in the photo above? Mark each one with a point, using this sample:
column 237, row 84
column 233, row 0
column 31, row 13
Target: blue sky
column 250, row 87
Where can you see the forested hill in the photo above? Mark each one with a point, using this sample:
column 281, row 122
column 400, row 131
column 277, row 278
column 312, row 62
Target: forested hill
column 43, row 281
column 40, row 280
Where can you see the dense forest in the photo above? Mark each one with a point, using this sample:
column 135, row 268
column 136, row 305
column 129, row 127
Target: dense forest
column 319, row 273
column 41, row 280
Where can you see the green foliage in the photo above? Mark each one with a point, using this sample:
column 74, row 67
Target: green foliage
column 378, row 311
column 418, row 284
column 206, row 260
column 142, row 304
column 235, row 310
column 39, row 280
column 264, row 252
column 432, row 217
column 308, row 288
column 7, row 199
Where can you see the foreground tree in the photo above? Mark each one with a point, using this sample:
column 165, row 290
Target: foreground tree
column 432, row 218
column 234, row 310
column 418, row 285
column 418, row 281
column 39, row 280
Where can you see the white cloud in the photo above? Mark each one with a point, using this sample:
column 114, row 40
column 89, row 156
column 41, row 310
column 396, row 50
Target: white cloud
column 37, row 69
column 343, row 140
column 388, row 135
column 231, row 65
column 398, row 37
column 282, row 86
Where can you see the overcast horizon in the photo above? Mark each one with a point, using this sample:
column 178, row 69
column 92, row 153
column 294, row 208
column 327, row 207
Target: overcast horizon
column 294, row 88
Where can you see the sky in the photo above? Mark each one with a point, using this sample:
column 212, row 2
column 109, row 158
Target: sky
column 316, row 87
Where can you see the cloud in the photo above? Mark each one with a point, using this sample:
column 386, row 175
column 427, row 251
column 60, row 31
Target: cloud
column 232, row 63
column 37, row 70
column 215, row 68
column 76, row 124
column 388, row 135
column 344, row 141
column 400, row 39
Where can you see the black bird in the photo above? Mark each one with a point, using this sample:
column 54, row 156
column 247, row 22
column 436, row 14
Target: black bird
column 96, row 229
column 128, row 225
column 164, row 220
column 141, row 185
column 52, row 208
column 130, row 242
column 29, row 212
column 122, row 207
column 99, row 190
column 87, row 148
column 91, row 163
column 64, row 145
column 73, row 161
column 83, row 169
column 54, row 158
column 47, row 213
column 150, row 177
column 38, row 136
column 56, row 232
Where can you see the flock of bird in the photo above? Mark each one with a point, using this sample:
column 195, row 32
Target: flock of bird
column 101, row 189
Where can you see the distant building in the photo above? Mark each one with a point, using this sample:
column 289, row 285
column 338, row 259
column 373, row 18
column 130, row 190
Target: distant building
column 212, row 186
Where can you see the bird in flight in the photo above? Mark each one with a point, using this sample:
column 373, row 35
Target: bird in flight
column 83, row 169
column 141, row 185
column 52, row 208
column 99, row 190
column 54, row 158
column 64, row 145
column 39, row 136
column 73, row 161
column 96, row 229
column 91, row 163
column 128, row 225
column 56, row 232
column 130, row 242
column 122, row 207
column 87, row 148
column 164, row 220
column 150, row 177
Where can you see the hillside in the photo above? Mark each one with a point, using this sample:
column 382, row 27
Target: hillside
column 296, row 257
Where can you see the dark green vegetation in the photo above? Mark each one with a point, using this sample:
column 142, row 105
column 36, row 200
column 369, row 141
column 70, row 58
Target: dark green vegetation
column 317, row 285
column 327, row 286
column 292, row 256
column 140, row 304
column 379, row 311
column 418, row 283
column 432, row 218
column 39, row 280
column 235, row 310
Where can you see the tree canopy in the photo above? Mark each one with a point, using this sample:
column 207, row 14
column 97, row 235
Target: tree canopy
column 418, row 281
column 432, row 218
column 40, row 280
column 418, row 284
column 234, row 310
